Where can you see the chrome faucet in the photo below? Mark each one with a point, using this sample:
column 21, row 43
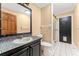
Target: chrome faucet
column 21, row 36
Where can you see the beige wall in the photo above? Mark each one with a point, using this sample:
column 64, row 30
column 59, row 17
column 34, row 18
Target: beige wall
column 46, row 22
column 42, row 19
column 64, row 14
column 52, row 20
column 23, row 23
column 36, row 19
column 45, row 15
column 8, row 11
column 76, row 25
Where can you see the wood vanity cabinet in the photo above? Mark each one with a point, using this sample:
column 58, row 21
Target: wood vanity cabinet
column 4, row 24
column 8, row 24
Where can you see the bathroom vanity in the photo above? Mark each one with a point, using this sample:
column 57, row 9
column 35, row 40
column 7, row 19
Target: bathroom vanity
column 15, row 22
column 30, row 48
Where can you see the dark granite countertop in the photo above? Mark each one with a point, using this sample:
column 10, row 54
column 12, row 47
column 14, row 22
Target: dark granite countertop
column 6, row 45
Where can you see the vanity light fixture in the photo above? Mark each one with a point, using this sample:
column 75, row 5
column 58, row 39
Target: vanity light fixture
column 25, row 4
column 27, row 12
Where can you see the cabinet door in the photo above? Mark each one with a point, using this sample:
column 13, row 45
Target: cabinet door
column 13, row 24
column 8, row 24
column 4, row 23
column 23, row 52
column 35, row 49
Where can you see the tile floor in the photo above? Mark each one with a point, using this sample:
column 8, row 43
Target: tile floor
column 61, row 49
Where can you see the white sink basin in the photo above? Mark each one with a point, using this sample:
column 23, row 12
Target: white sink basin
column 23, row 40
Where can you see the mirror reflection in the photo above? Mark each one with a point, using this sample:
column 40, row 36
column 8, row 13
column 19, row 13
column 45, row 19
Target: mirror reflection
column 14, row 19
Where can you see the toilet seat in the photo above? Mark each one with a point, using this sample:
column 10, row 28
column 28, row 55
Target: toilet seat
column 46, row 44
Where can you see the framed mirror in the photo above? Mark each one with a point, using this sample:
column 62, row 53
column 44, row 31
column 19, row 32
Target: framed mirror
column 16, row 18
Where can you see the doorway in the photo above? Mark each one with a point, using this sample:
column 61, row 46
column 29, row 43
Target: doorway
column 65, row 29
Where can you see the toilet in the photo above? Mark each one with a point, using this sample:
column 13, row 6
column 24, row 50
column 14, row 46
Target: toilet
column 44, row 47
column 44, row 44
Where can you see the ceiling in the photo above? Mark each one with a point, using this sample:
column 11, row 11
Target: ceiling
column 41, row 5
column 58, row 8
column 15, row 8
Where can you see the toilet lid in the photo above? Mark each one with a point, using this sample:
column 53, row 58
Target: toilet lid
column 46, row 44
